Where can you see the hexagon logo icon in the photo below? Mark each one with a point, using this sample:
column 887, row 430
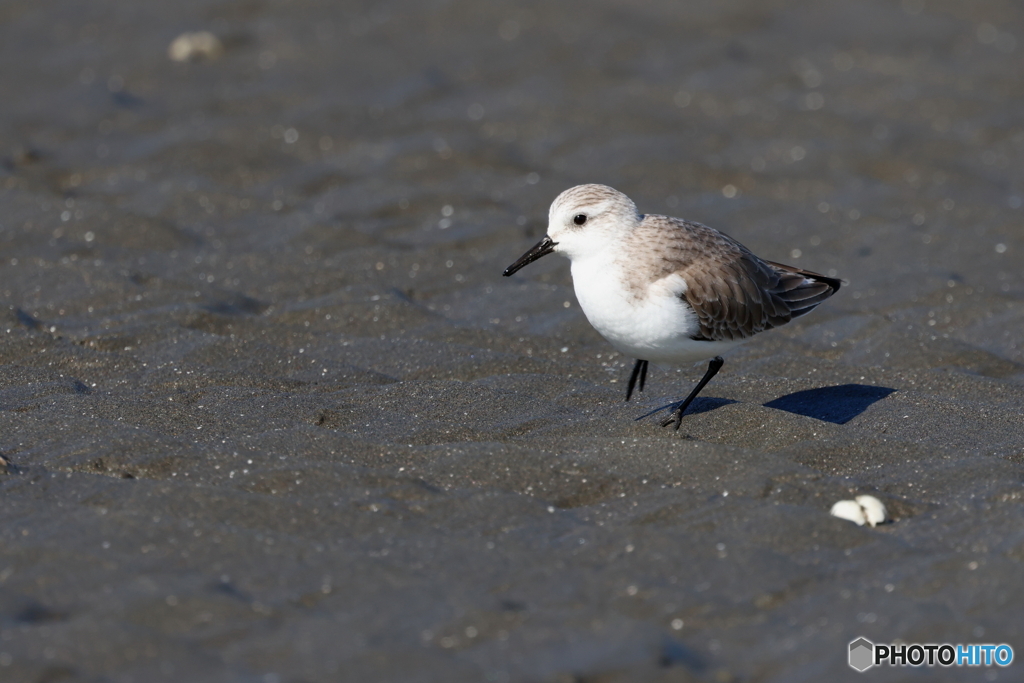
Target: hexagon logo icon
column 862, row 654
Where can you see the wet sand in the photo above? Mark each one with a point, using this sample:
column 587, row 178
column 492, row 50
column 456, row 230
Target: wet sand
column 270, row 413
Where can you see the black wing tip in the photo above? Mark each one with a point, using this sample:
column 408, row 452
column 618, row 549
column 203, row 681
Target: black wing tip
column 833, row 282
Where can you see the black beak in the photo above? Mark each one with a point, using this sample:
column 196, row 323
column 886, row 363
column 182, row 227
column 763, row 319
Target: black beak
column 545, row 246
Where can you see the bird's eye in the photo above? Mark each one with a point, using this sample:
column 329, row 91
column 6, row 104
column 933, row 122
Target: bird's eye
column 579, row 219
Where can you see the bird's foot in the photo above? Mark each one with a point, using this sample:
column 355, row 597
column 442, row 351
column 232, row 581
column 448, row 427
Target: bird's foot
column 675, row 416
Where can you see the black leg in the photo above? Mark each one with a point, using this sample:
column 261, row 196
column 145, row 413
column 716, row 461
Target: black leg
column 639, row 370
column 677, row 415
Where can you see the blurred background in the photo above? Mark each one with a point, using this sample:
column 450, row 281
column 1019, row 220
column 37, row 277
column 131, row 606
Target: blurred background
column 270, row 413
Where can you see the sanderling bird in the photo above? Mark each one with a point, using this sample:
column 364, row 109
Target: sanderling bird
column 667, row 290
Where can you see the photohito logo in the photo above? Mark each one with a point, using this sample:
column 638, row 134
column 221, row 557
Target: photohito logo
column 864, row 654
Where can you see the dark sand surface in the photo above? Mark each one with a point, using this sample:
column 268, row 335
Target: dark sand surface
column 271, row 414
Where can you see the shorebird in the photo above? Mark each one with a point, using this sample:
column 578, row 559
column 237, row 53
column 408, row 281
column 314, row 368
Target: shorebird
column 667, row 290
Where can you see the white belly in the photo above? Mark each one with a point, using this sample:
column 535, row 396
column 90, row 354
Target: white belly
column 656, row 325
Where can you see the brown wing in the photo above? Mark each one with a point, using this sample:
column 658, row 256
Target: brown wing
column 734, row 293
column 744, row 295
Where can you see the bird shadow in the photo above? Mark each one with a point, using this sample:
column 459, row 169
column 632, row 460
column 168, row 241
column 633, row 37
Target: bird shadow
column 699, row 405
column 838, row 404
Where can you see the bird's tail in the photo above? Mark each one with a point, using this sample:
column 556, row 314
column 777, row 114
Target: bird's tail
column 803, row 289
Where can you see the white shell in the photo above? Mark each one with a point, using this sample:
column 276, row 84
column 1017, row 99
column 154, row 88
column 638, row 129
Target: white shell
column 850, row 510
column 874, row 510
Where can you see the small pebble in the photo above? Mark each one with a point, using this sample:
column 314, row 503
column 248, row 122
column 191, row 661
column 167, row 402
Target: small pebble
column 196, row 45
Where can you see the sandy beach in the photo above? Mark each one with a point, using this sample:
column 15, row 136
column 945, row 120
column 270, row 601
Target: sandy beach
column 269, row 413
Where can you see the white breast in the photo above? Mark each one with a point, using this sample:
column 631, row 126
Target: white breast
column 653, row 323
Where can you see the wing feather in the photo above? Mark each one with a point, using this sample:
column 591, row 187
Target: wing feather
column 733, row 293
